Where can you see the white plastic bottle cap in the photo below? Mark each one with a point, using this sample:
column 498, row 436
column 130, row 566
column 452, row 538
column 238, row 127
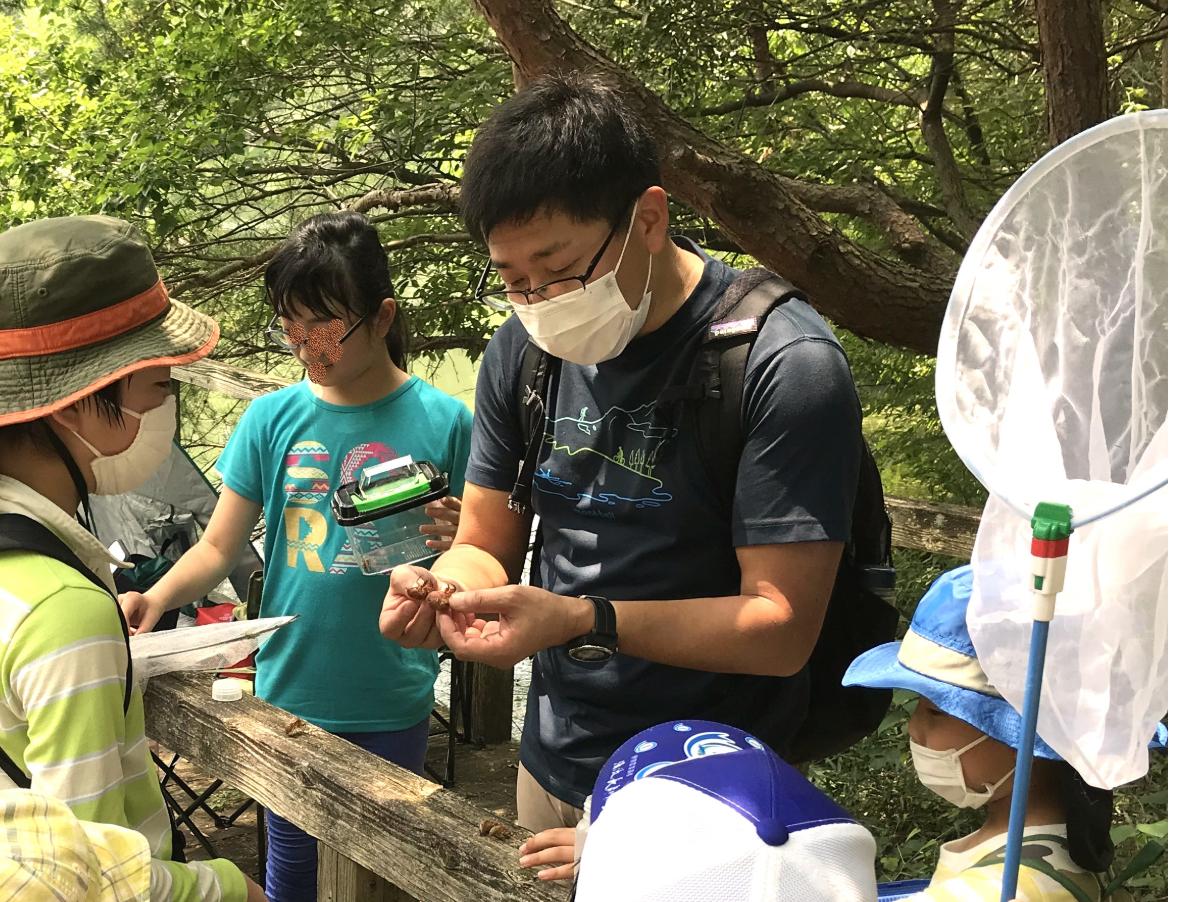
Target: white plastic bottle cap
column 227, row 690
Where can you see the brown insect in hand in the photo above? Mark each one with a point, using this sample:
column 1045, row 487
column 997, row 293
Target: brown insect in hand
column 441, row 600
column 493, row 828
column 294, row 726
column 419, row 590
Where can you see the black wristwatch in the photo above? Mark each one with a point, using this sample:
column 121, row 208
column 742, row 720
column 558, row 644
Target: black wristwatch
column 601, row 643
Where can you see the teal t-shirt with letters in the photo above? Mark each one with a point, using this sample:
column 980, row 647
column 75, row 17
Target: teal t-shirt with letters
column 289, row 452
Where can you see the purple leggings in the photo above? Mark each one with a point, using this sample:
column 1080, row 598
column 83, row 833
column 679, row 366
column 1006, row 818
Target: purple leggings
column 292, row 853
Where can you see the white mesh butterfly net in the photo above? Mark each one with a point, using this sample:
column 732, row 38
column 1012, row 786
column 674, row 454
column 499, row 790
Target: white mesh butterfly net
column 1052, row 386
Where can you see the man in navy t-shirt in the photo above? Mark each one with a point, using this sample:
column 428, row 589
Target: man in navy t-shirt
column 657, row 601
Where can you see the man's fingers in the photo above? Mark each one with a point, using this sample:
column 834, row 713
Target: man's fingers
column 562, row 872
column 439, row 529
column 554, row 855
column 484, row 601
column 548, row 839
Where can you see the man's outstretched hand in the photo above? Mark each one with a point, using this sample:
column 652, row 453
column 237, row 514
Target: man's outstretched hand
column 507, row 624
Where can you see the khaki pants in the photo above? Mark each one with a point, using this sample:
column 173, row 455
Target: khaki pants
column 538, row 810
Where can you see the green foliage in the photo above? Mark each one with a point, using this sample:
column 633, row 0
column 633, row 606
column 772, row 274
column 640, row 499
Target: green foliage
column 901, row 422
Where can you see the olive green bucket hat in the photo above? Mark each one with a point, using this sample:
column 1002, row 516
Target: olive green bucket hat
column 81, row 306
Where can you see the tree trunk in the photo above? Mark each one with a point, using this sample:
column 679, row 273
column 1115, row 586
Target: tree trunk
column 898, row 301
column 1074, row 64
column 1164, row 63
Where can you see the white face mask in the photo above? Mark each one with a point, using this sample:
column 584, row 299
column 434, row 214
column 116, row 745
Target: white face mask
column 942, row 773
column 590, row 324
column 128, row 469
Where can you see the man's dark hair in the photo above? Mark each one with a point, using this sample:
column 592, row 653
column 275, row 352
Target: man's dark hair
column 564, row 143
column 335, row 259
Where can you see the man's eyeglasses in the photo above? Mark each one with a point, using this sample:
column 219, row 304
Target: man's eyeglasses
column 504, row 298
column 321, row 336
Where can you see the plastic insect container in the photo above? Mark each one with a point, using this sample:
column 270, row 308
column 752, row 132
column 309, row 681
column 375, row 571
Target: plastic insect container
column 383, row 512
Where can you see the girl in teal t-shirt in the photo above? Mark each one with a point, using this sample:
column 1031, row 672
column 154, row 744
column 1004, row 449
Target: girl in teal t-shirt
column 333, row 297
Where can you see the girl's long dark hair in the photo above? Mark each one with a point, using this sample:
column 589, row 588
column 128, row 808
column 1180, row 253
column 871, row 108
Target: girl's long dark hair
column 336, row 259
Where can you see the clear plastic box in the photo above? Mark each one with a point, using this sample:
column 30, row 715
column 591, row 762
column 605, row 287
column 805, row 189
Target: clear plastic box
column 384, row 510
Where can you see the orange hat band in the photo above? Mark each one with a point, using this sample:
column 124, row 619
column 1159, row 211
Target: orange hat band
column 89, row 329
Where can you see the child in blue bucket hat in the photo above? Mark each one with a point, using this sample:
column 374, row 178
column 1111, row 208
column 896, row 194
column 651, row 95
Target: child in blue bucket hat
column 963, row 737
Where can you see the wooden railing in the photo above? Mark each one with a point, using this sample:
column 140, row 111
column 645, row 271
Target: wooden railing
column 384, row 833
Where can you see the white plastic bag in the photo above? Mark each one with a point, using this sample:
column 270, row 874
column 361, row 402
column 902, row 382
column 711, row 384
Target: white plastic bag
column 213, row 646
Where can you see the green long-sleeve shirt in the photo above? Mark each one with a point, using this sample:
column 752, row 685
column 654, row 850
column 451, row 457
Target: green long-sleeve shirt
column 62, row 689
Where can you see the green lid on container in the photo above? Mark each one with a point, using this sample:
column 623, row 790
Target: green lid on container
column 389, row 487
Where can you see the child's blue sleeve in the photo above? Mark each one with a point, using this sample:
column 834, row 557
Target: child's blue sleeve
column 241, row 463
column 460, row 450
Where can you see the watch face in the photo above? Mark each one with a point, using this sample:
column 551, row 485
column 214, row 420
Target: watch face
column 590, row 653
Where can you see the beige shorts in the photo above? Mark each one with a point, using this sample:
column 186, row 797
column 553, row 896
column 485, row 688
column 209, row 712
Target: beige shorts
column 538, row 810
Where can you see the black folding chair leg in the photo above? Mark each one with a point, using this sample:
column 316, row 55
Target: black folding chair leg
column 238, row 812
column 187, row 822
column 261, row 817
column 200, row 802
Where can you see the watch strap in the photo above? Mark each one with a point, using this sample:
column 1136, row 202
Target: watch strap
column 605, row 624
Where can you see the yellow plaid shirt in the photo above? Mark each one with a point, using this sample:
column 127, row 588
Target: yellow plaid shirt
column 46, row 853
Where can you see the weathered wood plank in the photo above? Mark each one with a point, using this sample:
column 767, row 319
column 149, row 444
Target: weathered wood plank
column 228, row 380
column 414, row 834
column 341, row 880
column 941, row 528
column 491, row 703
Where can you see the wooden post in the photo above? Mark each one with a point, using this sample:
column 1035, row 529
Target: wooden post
column 491, row 700
column 341, row 880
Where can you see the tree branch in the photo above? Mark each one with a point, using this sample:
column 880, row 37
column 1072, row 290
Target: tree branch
column 972, row 126
column 765, row 214
column 438, row 344
column 443, row 197
column 933, row 129
column 448, row 238
column 809, row 86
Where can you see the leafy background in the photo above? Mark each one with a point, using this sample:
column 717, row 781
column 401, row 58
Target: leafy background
column 217, row 126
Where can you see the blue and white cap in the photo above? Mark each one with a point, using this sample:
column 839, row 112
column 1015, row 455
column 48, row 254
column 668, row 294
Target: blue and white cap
column 695, row 811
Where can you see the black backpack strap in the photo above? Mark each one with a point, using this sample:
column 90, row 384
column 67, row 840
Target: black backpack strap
column 713, row 388
column 20, row 533
column 538, row 369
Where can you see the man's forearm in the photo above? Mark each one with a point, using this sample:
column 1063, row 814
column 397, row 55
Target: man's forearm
column 733, row 634
column 192, row 577
column 471, row 567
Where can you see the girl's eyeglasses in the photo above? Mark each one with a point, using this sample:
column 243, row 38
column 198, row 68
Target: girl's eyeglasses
column 297, row 335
